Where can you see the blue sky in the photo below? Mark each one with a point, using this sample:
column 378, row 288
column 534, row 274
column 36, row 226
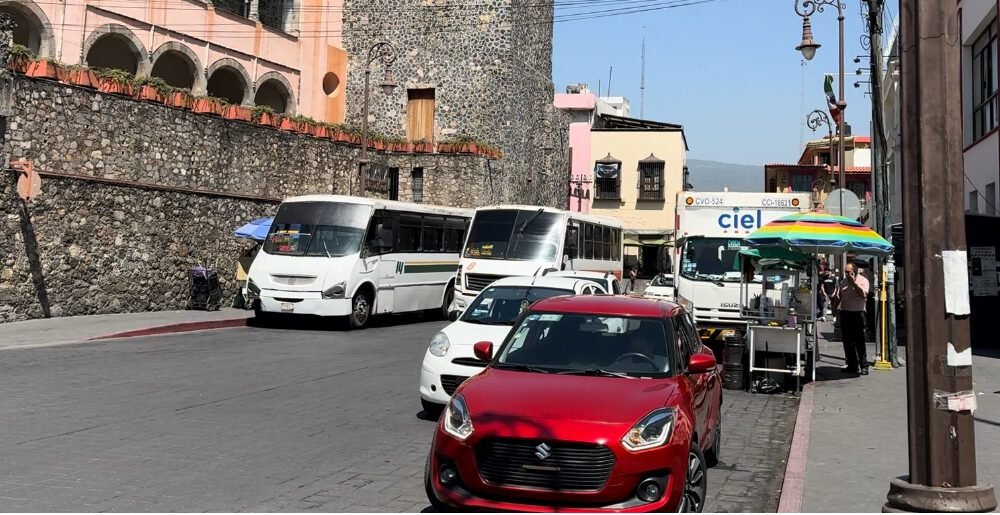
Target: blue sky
column 726, row 70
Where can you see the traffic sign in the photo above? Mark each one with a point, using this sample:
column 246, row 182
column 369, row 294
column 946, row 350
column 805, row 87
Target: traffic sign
column 851, row 208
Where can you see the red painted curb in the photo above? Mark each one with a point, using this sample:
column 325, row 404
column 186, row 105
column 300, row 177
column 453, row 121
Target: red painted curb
column 794, row 487
column 185, row 327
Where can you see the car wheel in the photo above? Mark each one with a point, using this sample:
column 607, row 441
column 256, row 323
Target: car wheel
column 695, row 482
column 432, row 409
column 436, row 503
column 361, row 310
column 715, row 452
column 448, row 297
column 260, row 316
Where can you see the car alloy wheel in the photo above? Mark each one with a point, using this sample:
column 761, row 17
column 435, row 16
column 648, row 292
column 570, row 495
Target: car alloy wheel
column 695, row 482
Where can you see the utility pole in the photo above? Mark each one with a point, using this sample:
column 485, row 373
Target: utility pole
column 940, row 396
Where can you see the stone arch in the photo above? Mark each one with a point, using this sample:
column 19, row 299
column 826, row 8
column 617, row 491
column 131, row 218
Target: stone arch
column 33, row 29
column 229, row 80
column 115, row 46
column 274, row 90
column 179, row 66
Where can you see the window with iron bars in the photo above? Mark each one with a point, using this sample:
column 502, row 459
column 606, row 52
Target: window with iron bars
column 651, row 180
column 608, row 180
column 417, row 185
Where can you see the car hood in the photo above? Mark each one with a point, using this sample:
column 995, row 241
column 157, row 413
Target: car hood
column 506, row 394
column 461, row 333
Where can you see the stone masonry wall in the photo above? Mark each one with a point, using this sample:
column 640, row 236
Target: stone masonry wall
column 134, row 194
column 490, row 64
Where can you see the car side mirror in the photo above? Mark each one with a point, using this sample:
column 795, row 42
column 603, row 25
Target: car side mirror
column 483, row 351
column 701, row 363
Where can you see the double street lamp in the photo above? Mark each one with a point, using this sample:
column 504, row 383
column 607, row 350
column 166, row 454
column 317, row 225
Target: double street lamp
column 381, row 51
column 814, row 121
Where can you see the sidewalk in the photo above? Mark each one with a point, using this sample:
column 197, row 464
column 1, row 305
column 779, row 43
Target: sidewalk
column 82, row 328
column 858, row 433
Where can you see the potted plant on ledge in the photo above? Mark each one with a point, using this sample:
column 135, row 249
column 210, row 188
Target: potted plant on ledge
column 237, row 112
column 116, row 82
column 422, row 146
column 20, row 58
column 264, row 115
column 46, row 68
column 154, row 89
column 209, row 105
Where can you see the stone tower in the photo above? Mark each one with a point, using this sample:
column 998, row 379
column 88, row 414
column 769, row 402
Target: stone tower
column 486, row 68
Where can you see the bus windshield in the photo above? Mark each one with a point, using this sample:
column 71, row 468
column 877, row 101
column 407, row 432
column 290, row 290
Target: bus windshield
column 526, row 235
column 711, row 259
column 327, row 229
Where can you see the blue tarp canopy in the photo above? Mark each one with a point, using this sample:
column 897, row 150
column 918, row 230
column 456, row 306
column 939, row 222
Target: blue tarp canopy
column 255, row 230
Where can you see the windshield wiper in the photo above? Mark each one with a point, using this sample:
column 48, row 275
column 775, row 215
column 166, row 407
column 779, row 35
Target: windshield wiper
column 522, row 368
column 597, row 372
column 529, row 220
column 327, row 249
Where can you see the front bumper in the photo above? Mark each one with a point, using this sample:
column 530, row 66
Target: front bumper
column 303, row 303
column 471, row 492
column 433, row 367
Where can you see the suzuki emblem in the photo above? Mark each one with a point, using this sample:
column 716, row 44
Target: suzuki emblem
column 543, row 451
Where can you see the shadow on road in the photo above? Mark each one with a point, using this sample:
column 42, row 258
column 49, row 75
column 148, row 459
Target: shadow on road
column 337, row 324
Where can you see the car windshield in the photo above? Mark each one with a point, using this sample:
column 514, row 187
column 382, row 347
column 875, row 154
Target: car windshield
column 317, row 229
column 515, row 234
column 501, row 305
column 589, row 344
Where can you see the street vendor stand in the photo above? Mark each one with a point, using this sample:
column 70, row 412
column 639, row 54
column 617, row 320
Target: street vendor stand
column 780, row 315
column 793, row 243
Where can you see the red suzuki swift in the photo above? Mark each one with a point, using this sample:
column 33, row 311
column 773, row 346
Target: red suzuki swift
column 592, row 403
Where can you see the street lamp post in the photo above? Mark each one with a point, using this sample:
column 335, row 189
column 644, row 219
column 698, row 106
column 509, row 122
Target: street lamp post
column 808, row 47
column 814, row 121
column 381, row 51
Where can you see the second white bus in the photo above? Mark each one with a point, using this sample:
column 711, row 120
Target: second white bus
column 356, row 257
column 509, row 241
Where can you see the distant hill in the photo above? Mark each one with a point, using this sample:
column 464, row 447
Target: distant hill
column 714, row 176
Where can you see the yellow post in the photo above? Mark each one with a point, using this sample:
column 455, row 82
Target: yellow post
column 882, row 364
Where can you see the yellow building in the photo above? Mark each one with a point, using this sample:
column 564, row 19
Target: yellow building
column 639, row 166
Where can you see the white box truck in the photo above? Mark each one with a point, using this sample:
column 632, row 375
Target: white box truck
column 711, row 228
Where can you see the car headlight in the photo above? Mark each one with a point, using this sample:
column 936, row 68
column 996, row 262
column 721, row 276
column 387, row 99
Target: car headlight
column 652, row 431
column 252, row 287
column 439, row 345
column 457, row 420
column 336, row 291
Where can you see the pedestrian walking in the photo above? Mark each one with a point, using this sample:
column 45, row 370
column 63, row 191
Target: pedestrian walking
column 631, row 280
column 852, row 293
column 827, row 285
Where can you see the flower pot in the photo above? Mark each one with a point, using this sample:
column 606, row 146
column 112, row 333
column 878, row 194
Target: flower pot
column 287, row 124
column 63, row 73
column 179, row 99
column 423, row 148
column 150, row 94
column 42, row 69
column 319, row 131
column 115, row 88
column 235, row 112
column 446, row 148
column 84, row 78
column 267, row 120
column 207, row 106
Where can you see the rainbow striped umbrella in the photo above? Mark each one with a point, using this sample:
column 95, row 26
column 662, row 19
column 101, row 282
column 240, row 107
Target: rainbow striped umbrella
column 820, row 233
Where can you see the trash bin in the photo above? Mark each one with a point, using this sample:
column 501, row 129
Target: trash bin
column 206, row 292
column 733, row 368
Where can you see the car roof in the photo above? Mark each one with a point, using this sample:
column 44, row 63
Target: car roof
column 579, row 273
column 620, row 305
column 567, row 283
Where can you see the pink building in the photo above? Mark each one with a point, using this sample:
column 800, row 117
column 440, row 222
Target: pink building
column 580, row 104
column 247, row 52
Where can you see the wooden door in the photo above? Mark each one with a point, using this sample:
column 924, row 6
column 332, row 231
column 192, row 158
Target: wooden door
column 420, row 115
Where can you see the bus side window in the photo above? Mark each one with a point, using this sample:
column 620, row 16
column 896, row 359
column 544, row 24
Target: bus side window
column 379, row 234
column 572, row 247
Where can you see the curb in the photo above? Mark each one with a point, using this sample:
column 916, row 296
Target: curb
column 184, row 327
column 793, row 488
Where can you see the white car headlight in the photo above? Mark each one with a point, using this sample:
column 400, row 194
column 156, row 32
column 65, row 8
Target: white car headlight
column 652, row 431
column 457, row 420
column 439, row 345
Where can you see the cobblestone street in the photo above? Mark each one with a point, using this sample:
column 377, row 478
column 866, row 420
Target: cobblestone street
column 269, row 420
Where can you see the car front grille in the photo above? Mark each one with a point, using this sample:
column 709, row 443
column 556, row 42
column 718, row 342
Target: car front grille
column 479, row 282
column 566, row 467
column 451, row 383
column 470, row 362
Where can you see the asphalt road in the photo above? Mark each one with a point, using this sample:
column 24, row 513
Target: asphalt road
column 270, row 419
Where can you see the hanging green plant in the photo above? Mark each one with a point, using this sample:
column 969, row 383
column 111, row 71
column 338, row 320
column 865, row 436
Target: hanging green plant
column 20, row 57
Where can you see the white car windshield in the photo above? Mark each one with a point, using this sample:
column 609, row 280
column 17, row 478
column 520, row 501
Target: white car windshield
column 589, row 344
column 501, row 305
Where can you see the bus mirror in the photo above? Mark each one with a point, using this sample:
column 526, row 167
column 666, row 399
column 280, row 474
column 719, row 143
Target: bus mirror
column 365, row 252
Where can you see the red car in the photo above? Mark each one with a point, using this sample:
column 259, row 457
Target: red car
column 592, row 403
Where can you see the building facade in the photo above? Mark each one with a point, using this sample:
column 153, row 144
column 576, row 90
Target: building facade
column 286, row 54
column 814, row 172
column 980, row 110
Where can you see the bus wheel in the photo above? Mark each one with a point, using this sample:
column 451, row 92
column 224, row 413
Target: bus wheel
column 449, row 296
column 361, row 309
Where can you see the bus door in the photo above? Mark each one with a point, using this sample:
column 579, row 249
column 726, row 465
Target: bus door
column 379, row 261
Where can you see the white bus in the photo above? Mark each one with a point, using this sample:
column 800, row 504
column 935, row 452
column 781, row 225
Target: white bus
column 509, row 241
column 355, row 257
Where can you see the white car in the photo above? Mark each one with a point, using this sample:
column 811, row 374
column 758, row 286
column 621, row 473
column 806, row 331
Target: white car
column 607, row 280
column 450, row 360
column 661, row 287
